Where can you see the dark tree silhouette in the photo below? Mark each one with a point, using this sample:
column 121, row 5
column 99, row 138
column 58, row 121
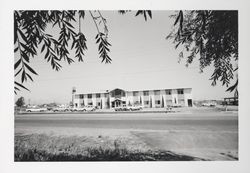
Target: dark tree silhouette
column 20, row 102
column 212, row 36
column 30, row 34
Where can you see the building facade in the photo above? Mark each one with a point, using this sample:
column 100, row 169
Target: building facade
column 146, row 98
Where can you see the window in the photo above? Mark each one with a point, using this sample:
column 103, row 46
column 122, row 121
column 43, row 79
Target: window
column 180, row 91
column 169, row 102
column 98, row 95
column 146, row 93
column 89, row 96
column 168, row 92
column 157, row 92
column 98, row 103
column 157, row 102
column 81, row 96
column 181, row 102
column 135, row 93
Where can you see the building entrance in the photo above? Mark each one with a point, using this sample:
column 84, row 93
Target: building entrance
column 190, row 103
column 117, row 103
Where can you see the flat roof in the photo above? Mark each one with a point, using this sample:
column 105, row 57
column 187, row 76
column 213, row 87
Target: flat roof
column 107, row 91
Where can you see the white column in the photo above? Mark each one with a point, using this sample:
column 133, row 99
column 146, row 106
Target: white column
column 94, row 99
column 174, row 96
column 152, row 96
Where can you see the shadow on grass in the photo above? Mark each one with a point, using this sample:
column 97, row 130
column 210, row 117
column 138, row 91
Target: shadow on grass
column 52, row 148
column 101, row 154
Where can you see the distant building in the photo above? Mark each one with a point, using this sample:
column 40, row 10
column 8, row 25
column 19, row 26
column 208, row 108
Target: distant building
column 231, row 101
column 147, row 98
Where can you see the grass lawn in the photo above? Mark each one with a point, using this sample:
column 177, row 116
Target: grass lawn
column 44, row 147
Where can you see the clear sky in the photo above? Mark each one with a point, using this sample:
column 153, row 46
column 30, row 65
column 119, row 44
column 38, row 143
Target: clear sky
column 141, row 59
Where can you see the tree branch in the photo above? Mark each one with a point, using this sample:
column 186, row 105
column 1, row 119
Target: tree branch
column 94, row 22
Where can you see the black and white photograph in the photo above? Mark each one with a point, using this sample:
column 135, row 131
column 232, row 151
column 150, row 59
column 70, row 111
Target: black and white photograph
column 126, row 85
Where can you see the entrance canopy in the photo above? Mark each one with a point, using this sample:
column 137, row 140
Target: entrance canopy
column 118, row 93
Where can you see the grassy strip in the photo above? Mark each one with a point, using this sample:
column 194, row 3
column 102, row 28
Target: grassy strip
column 47, row 148
column 100, row 154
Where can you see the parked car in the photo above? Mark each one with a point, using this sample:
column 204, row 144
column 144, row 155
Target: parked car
column 36, row 109
column 85, row 108
column 122, row 108
column 135, row 108
column 60, row 109
column 209, row 104
column 176, row 105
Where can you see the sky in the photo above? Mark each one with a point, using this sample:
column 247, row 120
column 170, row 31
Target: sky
column 142, row 59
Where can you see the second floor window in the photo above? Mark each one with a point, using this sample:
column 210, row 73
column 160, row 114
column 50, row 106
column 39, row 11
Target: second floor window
column 135, row 93
column 180, row 91
column 89, row 96
column 98, row 95
column 145, row 93
column 157, row 92
column 168, row 92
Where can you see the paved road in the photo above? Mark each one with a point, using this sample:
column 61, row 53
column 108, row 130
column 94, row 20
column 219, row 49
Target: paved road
column 149, row 121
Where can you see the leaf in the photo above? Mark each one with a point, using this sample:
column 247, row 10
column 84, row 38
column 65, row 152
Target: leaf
column 233, row 87
column 27, row 48
column 25, row 56
column 29, row 77
column 47, row 54
column 145, row 15
column 18, row 72
column 67, row 23
column 20, row 85
column 149, row 13
column 96, row 36
column 177, row 19
column 82, row 13
column 43, row 48
column 17, row 63
column 16, row 88
column 30, row 69
column 138, row 12
column 16, row 49
column 23, row 76
column 22, row 35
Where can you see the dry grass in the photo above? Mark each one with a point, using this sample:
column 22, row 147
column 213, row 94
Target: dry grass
column 41, row 147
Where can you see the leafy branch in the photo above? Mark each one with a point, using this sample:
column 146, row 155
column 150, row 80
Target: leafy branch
column 210, row 35
column 101, row 39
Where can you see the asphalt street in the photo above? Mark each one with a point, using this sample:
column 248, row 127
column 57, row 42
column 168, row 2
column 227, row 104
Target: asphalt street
column 152, row 121
column 207, row 135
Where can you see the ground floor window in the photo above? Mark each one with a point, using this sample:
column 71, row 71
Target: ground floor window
column 157, row 103
column 181, row 102
column 168, row 102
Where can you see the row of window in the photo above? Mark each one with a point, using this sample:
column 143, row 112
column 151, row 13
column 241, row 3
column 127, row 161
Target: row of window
column 157, row 92
column 146, row 102
column 135, row 93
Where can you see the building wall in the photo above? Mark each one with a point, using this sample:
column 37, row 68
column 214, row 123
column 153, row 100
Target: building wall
column 165, row 97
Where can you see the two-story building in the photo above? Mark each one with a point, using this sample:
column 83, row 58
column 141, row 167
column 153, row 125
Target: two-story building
column 147, row 98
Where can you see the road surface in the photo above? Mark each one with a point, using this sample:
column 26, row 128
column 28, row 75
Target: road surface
column 208, row 135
